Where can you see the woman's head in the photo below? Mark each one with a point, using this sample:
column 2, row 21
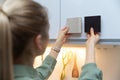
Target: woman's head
column 23, row 25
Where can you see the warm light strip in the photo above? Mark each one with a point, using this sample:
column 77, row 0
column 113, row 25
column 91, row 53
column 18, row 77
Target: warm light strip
column 80, row 51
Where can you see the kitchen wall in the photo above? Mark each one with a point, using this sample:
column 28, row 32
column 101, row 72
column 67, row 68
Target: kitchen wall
column 107, row 58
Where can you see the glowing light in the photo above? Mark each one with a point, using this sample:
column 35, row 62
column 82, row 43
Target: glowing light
column 80, row 52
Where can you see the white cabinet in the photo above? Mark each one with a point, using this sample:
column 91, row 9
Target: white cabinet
column 53, row 7
column 60, row 10
column 1, row 2
column 108, row 9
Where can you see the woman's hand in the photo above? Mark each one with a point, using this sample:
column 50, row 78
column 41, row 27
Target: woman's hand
column 62, row 36
column 92, row 38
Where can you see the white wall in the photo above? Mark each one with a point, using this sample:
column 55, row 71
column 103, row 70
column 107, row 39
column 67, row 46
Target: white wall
column 107, row 58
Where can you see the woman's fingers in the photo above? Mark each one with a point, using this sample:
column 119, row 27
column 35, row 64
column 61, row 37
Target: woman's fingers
column 88, row 35
column 91, row 31
column 97, row 37
column 65, row 30
column 63, row 34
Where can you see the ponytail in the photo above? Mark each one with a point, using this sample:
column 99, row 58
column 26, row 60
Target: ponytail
column 6, row 62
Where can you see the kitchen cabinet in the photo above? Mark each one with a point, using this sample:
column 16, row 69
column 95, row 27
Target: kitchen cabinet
column 1, row 2
column 53, row 8
column 110, row 17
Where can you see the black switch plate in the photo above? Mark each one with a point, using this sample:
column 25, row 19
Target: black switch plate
column 92, row 21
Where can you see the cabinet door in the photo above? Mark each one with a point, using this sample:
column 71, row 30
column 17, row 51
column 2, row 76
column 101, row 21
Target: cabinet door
column 108, row 9
column 1, row 2
column 53, row 7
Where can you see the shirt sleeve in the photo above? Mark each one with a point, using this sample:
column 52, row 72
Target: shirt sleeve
column 46, row 68
column 90, row 72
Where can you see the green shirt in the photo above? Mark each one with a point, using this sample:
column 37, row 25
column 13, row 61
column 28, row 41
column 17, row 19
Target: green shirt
column 90, row 72
column 22, row 72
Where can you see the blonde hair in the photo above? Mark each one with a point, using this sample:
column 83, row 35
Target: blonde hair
column 20, row 20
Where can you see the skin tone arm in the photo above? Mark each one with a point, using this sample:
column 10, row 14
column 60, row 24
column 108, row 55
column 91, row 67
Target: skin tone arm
column 62, row 36
column 90, row 46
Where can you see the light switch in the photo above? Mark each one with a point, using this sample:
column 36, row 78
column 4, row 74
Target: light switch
column 93, row 21
column 74, row 24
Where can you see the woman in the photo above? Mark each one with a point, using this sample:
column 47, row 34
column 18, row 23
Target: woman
column 24, row 29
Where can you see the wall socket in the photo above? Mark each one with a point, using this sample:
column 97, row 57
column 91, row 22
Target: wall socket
column 74, row 24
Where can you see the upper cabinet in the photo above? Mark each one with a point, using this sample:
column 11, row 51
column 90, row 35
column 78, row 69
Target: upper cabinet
column 53, row 8
column 1, row 2
column 108, row 9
